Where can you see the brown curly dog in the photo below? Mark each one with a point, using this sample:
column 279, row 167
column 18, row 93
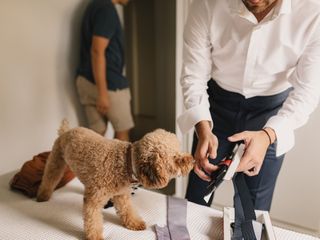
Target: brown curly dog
column 106, row 169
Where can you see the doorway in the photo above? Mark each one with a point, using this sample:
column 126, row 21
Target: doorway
column 150, row 31
column 150, row 53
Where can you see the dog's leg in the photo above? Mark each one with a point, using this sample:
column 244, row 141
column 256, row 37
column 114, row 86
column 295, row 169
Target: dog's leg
column 125, row 211
column 92, row 214
column 53, row 173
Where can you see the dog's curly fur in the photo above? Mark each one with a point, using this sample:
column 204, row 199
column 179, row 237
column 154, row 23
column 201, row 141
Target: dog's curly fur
column 101, row 165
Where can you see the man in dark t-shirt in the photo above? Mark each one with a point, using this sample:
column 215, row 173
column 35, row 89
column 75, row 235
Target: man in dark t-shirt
column 102, row 87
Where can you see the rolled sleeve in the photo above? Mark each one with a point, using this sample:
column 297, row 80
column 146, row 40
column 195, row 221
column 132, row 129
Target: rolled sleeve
column 192, row 116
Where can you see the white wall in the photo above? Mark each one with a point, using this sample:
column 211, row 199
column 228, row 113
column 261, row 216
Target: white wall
column 38, row 49
column 297, row 196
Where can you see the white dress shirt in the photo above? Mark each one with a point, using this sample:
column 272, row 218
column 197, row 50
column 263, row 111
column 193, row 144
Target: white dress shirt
column 224, row 40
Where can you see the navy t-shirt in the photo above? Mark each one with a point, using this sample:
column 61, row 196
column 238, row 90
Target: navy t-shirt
column 101, row 19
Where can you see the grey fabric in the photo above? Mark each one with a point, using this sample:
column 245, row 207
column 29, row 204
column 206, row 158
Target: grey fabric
column 176, row 221
column 177, row 218
column 162, row 233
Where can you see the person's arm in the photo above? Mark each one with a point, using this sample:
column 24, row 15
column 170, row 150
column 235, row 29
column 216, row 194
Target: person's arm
column 99, row 63
column 196, row 73
column 304, row 97
column 104, row 27
column 294, row 113
column 206, row 147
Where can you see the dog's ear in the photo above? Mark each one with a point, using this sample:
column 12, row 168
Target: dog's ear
column 184, row 163
column 153, row 172
column 150, row 174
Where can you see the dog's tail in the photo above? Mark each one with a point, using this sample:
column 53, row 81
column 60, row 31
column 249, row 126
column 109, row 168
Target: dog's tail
column 64, row 127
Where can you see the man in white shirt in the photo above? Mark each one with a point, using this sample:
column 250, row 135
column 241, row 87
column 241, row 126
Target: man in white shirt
column 264, row 59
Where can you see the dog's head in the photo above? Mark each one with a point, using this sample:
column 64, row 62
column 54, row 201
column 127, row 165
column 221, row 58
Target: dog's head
column 158, row 159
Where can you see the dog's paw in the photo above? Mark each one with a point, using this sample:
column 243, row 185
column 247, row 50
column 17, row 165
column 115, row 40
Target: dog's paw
column 136, row 225
column 43, row 196
column 94, row 236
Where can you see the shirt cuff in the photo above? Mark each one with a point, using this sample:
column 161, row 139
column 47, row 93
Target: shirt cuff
column 284, row 132
column 192, row 116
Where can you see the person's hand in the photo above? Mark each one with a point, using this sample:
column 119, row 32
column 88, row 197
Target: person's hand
column 256, row 145
column 207, row 147
column 103, row 103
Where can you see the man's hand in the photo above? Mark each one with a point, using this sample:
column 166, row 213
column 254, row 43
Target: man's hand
column 256, row 145
column 207, row 147
column 103, row 103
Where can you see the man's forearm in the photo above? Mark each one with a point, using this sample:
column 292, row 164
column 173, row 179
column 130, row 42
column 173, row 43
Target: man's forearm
column 99, row 64
column 203, row 127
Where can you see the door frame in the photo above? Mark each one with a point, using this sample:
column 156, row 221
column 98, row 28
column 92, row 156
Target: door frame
column 182, row 9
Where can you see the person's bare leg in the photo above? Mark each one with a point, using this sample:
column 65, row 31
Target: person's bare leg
column 122, row 135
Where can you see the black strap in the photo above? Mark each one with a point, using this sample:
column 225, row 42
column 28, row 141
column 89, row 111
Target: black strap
column 210, row 199
column 248, row 208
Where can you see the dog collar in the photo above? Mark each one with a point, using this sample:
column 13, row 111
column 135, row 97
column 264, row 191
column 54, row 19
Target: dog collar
column 131, row 166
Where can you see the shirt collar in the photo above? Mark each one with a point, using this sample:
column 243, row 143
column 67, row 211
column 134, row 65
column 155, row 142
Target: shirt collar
column 238, row 7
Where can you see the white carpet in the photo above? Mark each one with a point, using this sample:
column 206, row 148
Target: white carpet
column 60, row 218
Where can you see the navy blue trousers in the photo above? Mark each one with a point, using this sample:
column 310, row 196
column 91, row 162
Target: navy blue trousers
column 232, row 113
